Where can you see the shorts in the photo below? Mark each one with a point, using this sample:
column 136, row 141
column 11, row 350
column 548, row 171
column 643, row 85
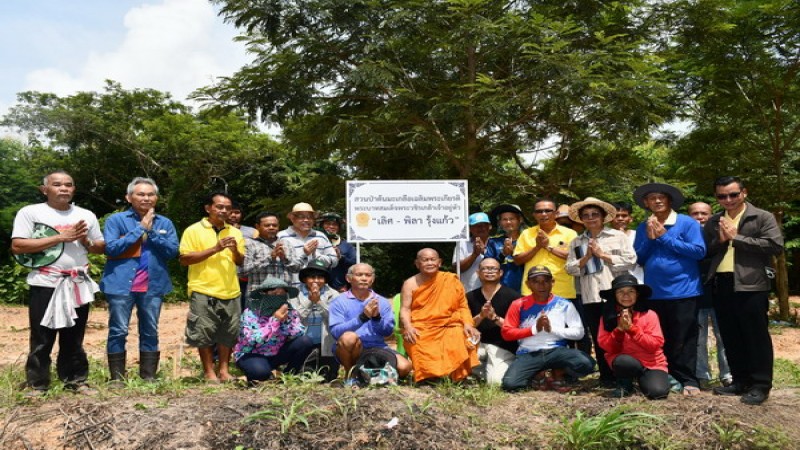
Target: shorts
column 212, row 321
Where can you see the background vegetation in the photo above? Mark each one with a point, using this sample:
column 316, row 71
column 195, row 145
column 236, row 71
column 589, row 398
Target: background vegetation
column 522, row 98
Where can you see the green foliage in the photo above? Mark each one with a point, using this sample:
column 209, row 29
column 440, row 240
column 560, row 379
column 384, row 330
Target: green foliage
column 13, row 288
column 492, row 80
column 104, row 139
column 298, row 412
column 614, row 429
column 787, row 373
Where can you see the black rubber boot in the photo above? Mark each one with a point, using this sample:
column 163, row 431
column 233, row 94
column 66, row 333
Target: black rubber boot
column 116, row 367
column 148, row 365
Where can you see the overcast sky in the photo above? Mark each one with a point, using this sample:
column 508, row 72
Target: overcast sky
column 66, row 46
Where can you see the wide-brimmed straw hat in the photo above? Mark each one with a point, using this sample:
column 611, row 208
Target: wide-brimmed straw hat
column 575, row 209
column 672, row 192
column 301, row 207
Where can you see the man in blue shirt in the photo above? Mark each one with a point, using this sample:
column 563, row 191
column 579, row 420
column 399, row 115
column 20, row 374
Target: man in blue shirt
column 670, row 246
column 360, row 319
column 139, row 243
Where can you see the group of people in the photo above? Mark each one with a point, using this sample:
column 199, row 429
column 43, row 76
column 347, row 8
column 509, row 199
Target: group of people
column 530, row 304
column 641, row 298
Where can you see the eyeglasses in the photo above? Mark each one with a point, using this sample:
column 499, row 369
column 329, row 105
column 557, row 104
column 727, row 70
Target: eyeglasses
column 591, row 215
column 731, row 196
column 490, row 269
column 543, row 211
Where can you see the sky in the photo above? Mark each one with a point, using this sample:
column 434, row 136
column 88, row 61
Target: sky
column 67, row 46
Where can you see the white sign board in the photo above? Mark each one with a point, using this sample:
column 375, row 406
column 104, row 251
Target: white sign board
column 407, row 211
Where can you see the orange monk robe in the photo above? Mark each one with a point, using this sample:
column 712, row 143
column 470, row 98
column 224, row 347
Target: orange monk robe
column 439, row 312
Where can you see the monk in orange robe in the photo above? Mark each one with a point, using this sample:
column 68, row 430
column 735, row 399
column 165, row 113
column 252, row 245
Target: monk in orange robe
column 438, row 331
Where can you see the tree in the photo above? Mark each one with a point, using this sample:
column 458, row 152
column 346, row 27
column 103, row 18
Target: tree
column 105, row 139
column 738, row 64
column 448, row 88
column 18, row 189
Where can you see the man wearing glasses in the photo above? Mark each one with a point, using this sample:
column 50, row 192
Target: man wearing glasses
column 741, row 243
column 304, row 244
column 546, row 244
column 489, row 304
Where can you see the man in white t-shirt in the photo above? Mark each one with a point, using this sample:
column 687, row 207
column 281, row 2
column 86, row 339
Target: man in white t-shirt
column 61, row 291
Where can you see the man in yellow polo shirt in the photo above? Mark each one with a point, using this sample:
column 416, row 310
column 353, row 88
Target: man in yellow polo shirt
column 212, row 249
column 546, row 244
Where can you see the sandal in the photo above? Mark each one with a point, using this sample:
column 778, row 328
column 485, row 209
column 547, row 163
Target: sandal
column 691, row 391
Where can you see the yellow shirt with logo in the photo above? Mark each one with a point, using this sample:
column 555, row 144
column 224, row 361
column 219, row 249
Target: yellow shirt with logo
column 216, row 275
column 560, row 237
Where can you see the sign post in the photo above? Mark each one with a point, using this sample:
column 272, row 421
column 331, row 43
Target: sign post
column 407, row 211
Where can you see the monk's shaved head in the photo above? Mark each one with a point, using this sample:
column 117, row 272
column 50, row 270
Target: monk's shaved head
column 427, row 252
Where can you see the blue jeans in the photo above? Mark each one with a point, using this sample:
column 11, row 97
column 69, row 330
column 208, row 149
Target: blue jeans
column 148, row 310
column 575, row 362
column 704, row 317
column 293, row 353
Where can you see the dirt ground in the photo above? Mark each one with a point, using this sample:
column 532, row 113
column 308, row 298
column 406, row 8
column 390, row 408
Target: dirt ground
column 307, row 415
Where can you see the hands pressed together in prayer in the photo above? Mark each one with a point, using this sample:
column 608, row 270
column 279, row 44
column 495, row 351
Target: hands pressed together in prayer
column 371, row 309
column 279, row 252
column 727, row 230
column 542, row 240
column 508, row 247
column 543, row 323
column 479, row 246
column 624, row 320
column 79, row 231
column 655, row 229
column 310, row 246
column 147, row 219
column 487, row 311
column 226, row 242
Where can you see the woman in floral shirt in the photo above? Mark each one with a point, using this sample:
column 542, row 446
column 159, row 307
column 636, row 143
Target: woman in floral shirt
column 271, row 333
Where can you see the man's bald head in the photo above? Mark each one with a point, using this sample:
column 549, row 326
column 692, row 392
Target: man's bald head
column 700, row 212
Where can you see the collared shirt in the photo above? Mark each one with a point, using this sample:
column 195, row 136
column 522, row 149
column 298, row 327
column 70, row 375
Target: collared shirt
column 315, row 316
column 299, row 260
column 259, row 264
column 216, row 275
column 124, row 236
column 560, row 237
column 623, row 258
column 344, row 316
column 726, row 265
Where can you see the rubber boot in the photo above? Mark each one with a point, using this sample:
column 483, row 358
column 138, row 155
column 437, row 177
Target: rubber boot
column 116, row 367
column 148, row 365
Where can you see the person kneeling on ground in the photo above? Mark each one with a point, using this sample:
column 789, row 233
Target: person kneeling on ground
column 360, row 320
column 271, row 333
column 631, row 336
column 543, row 323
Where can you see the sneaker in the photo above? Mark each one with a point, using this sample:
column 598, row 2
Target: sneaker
column 352, row 383
column 755, row 397
column 731, row 390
